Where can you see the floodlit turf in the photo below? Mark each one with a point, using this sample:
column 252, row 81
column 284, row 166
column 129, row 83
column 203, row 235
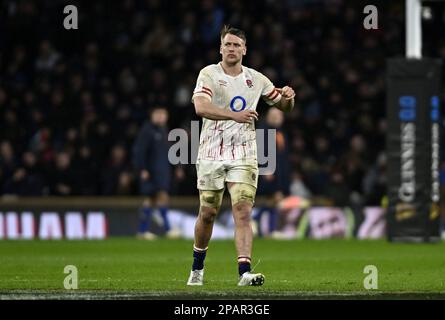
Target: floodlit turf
column 129, row 268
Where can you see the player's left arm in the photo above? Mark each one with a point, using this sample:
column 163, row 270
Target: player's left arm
column 287, row 101
column 281, row 98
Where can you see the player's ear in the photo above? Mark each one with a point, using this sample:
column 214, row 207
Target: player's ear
column 220, row 48
column 244, row 50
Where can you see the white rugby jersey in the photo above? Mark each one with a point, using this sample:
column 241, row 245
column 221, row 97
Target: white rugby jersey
column 228, row 139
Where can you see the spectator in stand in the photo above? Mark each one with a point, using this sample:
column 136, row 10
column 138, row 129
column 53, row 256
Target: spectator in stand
column 8, row 161
column 27, row 179
column 62, row 178
column 116, row 177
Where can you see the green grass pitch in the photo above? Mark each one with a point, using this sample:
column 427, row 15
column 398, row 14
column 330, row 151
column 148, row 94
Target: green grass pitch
column 124, row 268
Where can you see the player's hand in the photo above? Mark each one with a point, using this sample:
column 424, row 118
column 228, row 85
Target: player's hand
column 287, row 92
column 245, row 116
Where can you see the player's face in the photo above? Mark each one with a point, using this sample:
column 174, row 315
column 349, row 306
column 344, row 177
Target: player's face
column 232, row 49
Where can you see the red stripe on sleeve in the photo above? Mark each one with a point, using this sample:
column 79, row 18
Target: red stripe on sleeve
column 272, row 92
column 207, row 93
column 208, row 89
column 275, row 95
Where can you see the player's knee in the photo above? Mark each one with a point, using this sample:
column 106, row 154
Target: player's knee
column 208, row 215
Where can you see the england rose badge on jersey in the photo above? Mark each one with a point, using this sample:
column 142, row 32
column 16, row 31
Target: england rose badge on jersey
column 249, row 83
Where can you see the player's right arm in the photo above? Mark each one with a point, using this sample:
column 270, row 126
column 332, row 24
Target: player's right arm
column 204, row 108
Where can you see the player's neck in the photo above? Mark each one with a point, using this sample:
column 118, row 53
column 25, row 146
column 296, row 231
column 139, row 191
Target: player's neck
column 232, row 70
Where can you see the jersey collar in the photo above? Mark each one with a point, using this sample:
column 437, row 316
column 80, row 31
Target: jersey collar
column 232, row 77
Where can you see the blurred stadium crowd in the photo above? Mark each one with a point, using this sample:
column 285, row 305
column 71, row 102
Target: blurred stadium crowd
column 72, row 102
